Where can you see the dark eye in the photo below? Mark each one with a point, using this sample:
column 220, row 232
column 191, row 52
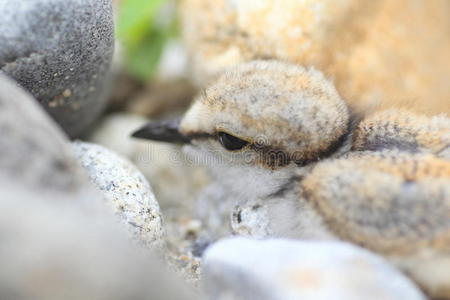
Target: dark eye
column 230, row 142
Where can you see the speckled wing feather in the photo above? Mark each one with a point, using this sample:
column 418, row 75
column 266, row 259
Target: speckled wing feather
column 405, row 131
column 392, row 202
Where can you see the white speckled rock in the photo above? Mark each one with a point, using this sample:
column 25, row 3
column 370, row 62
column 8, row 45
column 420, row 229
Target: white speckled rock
column 163, row 164
column 176, row 181
column 241, row 268
column 126, row 189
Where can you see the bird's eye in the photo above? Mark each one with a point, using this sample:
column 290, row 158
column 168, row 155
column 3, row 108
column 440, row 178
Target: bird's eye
column 230, row 142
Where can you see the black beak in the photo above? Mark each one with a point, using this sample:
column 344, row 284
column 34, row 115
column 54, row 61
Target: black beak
column 162, row 131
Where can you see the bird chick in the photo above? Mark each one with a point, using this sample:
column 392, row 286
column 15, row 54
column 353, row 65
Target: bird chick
column 297, row 163
column 394, row 203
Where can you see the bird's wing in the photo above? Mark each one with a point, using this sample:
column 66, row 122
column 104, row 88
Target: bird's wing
column 388, row 201
column 405, row 131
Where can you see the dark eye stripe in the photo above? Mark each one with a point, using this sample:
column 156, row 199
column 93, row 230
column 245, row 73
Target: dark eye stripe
column 231, row 142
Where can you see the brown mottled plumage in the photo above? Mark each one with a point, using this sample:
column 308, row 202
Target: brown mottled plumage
column 403, row 130
column 382, row 199
column 283, row 115
column 296, row 163
column 391, row 202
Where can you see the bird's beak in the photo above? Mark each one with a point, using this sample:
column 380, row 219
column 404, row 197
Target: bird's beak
column 162, row 131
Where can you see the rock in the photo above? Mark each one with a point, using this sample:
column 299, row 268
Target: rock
column 371, row 49
column 57, row 240
column 61, row 52
column 175, row 180
column 171, row 173
column 33, row 150
column 50, row 249
column 126, row 189
column 241, row 268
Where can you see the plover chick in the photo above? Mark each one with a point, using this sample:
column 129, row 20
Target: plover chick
column 271, row 130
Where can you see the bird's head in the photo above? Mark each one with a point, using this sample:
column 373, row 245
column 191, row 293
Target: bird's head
column 263, row 114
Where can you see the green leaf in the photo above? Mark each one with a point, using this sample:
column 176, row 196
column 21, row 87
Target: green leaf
column 142, row 37
column 135, row 19
column 142, row 61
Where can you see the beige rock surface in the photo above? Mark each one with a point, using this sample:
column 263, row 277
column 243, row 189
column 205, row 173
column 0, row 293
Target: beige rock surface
column 384, row 53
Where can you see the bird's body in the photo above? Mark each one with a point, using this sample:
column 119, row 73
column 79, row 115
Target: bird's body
column 296, row 163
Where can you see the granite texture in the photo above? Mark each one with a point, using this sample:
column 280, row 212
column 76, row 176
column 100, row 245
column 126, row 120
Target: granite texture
column 125, row 189
column 60, row 51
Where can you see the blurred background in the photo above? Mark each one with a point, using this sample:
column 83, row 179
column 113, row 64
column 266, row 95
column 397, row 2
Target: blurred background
column 150, row 62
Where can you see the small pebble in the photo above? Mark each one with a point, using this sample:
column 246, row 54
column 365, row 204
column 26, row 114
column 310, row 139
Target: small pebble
column 126, row 189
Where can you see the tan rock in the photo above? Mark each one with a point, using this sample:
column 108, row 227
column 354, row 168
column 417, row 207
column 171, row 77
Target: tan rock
column 380, row 53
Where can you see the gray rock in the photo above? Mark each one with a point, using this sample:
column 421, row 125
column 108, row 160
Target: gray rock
column 125, row 189
column 61, row 52
column 50, row 249
column 241, row 268
column 33, row 150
